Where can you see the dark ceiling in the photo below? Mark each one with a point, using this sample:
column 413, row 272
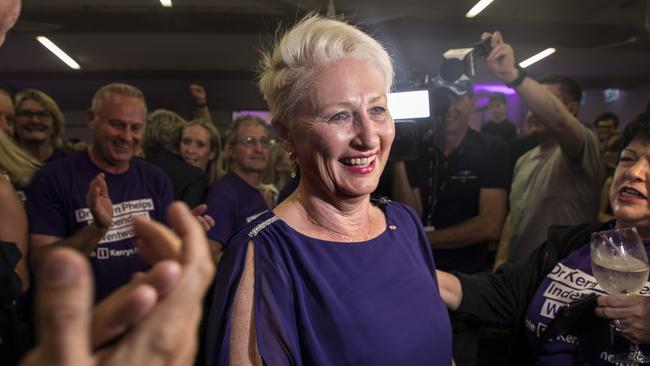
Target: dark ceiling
column 602, row 43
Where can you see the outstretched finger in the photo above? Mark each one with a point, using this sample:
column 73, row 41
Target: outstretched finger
column 155, row 241
column 200, row 209
column 64, row 303
column 195, row 244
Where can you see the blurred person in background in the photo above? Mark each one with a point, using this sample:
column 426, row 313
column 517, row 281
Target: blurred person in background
column 240, row 196
column 39, row 125
column 7, row 111
column 499, row 125
column 278, row 170
column 16, row 168
column 611, row 154
column 606, row 125
column 160, row 145
column 559, row 181
column 200, row 146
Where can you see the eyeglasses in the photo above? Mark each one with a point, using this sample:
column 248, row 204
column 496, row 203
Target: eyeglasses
column 26, row 113
column 252, row 142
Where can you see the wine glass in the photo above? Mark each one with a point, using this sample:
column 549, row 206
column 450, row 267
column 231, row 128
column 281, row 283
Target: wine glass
column 620, row 264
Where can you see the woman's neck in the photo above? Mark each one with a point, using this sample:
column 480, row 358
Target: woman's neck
column 353, row 220
column 40, row 151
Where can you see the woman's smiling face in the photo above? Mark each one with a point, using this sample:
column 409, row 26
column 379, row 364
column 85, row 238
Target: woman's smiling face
column 342, row 135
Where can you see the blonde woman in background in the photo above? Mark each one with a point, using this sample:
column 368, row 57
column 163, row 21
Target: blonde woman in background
column 200, row 146
column 278, row 171
column 39, row 125
column 17, row 168
column 160, row 145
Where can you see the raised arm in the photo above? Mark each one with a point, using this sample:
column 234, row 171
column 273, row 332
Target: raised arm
column 200, row 103
column 546, row 107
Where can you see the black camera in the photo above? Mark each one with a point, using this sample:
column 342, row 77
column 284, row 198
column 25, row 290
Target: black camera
column 419, row 115
column 458, row 63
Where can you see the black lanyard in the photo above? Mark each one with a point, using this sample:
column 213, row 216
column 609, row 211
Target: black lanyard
column 433, row 190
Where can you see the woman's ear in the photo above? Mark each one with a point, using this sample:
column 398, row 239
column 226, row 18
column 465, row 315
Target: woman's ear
column 282, row 132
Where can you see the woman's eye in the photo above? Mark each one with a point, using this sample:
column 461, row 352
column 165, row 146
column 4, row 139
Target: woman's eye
column 377, row 110
column 341, row 116
column 626, row 159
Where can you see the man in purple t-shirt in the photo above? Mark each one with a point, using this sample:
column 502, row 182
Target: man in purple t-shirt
column 88, row 200
column 239, row 196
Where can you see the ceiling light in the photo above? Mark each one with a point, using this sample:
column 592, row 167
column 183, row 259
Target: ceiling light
column 529, row 61
column 166, row 3
column 58, row 52
column 482, row 4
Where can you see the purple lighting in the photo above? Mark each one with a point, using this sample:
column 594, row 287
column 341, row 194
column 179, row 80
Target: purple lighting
column 493, row 88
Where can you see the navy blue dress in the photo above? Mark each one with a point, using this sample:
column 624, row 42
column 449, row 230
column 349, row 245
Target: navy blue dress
column 327, row 303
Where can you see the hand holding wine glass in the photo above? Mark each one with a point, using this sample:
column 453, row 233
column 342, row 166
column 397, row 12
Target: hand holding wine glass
column 620, row 264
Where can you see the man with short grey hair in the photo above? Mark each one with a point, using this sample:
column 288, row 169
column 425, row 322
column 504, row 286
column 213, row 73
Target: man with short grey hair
column 88, row 200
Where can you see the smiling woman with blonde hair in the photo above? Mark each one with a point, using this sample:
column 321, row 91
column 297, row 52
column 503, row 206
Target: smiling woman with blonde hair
column 39, row 125
column 330, row 277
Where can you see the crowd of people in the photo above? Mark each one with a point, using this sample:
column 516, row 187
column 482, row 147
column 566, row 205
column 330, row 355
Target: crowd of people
column 281, row 253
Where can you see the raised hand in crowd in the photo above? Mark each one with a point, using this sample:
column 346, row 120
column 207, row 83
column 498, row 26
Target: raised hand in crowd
column 152, row 320
column 206, row 221
column 198, row 94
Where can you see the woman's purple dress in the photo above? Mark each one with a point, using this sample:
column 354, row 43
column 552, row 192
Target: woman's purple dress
column 328, row 303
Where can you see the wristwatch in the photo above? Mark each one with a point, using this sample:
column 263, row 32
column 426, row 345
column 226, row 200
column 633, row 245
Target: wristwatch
column 521, row 75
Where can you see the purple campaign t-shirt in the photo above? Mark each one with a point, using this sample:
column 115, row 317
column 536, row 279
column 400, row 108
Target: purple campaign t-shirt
column 569, row 280
column 56, row 206
column 232, row 203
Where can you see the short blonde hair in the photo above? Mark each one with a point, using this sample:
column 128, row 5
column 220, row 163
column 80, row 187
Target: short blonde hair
column 286, row 70
column 58, row 120
column 163, row 128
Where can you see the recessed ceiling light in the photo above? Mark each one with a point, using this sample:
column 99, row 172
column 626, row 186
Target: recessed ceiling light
column 478, row 8
column 166, row 3
column 58, row 52
column 531, row 60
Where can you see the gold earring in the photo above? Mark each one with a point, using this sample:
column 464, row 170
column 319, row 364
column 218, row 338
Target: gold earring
column 293, row 164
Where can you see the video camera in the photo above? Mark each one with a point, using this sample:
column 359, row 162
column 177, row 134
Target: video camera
column 419, row 115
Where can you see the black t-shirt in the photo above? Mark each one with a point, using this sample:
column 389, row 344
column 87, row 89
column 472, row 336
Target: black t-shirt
column 504, row 129
column 450, row 190
column 189, row 182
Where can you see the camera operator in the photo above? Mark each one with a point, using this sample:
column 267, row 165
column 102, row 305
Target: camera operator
column 558, row 181
column 458, row 186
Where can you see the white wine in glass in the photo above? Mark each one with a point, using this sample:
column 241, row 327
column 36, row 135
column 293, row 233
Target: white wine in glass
column 620, row 264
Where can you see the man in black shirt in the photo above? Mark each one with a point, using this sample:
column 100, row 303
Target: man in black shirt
column 499, row 125
column 458, row 186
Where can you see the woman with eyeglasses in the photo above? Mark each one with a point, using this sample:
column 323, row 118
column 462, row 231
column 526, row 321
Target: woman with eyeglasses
column 330, row 277
column 39, row 125
column 239, row 196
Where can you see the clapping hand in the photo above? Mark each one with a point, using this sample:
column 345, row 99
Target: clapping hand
column 152, row 320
